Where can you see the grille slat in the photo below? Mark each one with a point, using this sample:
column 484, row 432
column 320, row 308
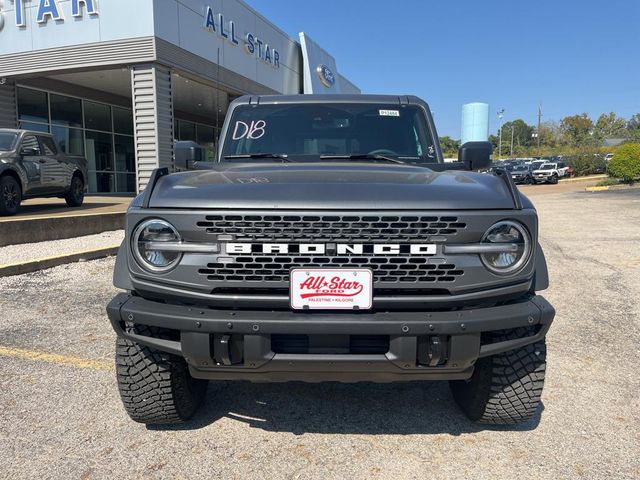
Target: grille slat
column 348, row 228
column 385, row 269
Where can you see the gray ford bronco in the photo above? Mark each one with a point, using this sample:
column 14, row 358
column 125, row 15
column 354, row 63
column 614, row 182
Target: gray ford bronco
column 33, row 165
column 330, row 242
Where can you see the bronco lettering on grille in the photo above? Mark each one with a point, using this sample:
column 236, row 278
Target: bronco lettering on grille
column 333, row 248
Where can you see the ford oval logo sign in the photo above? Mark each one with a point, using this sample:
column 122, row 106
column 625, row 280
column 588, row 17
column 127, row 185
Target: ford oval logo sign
column 327, row 77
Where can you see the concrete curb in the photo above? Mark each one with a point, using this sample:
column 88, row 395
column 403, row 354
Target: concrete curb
column 611, row 187
column 50, row 262
column 40, row 229
column 584, row 179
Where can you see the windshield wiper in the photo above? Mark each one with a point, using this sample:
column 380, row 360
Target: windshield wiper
column 280, row 156
column 362, row 156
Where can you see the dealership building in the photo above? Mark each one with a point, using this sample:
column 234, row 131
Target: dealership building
column 119, row 81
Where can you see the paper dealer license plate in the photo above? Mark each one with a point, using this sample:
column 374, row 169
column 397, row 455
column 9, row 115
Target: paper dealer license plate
column 321, row 288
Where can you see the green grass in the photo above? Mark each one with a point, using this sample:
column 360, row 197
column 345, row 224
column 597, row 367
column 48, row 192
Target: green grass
column 606, row 182
column 615, row 181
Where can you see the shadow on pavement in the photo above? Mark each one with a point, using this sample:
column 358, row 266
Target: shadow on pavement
column 364, row 408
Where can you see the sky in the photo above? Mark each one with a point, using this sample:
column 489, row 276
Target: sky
column 571, row 56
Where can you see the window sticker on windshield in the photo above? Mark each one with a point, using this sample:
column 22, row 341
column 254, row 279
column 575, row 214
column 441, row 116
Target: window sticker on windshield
column 389, row 113
column 252, row 131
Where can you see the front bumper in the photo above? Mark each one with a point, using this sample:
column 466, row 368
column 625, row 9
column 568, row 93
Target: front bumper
column 203, row 334
column 542, row 178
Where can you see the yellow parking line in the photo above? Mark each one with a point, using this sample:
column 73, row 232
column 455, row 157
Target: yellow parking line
column 55, row 358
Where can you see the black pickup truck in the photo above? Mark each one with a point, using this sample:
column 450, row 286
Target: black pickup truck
column 330, row 242
column 32, row 165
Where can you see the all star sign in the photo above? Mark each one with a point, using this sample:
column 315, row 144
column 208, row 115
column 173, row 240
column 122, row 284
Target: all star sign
column 51, row 10
column 253, row 45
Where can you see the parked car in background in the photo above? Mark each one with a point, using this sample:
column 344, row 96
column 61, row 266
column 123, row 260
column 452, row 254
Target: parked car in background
column 535, row 164
column 550, row 172
column 608, row 157
column 32, row 165
column 522, row 174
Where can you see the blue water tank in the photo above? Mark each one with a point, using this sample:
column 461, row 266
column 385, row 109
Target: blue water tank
column 475, row 122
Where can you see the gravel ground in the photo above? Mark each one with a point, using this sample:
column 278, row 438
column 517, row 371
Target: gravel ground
column 58, row 421
column 53, row 248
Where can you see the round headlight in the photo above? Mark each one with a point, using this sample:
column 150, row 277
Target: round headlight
column 512, row 260
column 146, row 244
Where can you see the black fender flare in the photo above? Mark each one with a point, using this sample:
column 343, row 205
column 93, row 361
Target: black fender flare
column 542, row 273
column 121, row 277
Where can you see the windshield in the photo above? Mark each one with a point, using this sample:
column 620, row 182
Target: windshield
column 304, row 132
column 7, row 141
column 547, row 166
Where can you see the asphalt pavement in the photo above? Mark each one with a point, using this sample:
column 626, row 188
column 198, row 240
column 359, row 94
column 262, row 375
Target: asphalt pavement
column 61, row 417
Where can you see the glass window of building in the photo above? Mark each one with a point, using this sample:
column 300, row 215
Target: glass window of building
column 37, row 127
column 187, row 130
column 97, row 116
column 205, row 137
column 125, row 163
column 123, row 121
column 100, row 161
column 33, row 106
column 83, row 127
column 70, row 140
column 125, row 154
column 66, row 111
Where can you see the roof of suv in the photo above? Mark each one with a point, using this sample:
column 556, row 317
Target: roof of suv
column 309, row 98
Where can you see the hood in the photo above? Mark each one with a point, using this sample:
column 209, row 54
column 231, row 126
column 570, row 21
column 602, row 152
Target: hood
column 330, row 186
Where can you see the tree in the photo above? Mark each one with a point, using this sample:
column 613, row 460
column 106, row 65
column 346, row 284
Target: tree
column 550, row 134
column 577, row 129
column 494, row 142
column 609, row 125
column 625, row 163
column 633, row 127
column 449, row 146
column 521, row 134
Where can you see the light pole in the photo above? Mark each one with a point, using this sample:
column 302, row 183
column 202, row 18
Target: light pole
column 500, row 114
column 511, row 154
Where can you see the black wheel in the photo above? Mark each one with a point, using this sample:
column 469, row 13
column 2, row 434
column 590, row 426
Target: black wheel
column 156, row 387
column 75, row 196
column 504, row 388
column 10, row 195
column 554, row 179
column 528, row 180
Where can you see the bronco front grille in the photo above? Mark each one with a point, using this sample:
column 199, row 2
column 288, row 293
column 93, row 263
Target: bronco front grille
column 385, row 269
column 318, row 228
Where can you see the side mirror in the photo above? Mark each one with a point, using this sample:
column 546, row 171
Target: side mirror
column 28, row 152
column 187, row 153
column 475, row 155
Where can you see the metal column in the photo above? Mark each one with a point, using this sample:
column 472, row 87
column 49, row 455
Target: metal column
column 152, row 120
column 8, row 107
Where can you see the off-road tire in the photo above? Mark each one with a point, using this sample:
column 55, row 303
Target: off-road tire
column 156, row 387
column 504, row 388
column 10, row 195
column 75, row 195
column 554, row 179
